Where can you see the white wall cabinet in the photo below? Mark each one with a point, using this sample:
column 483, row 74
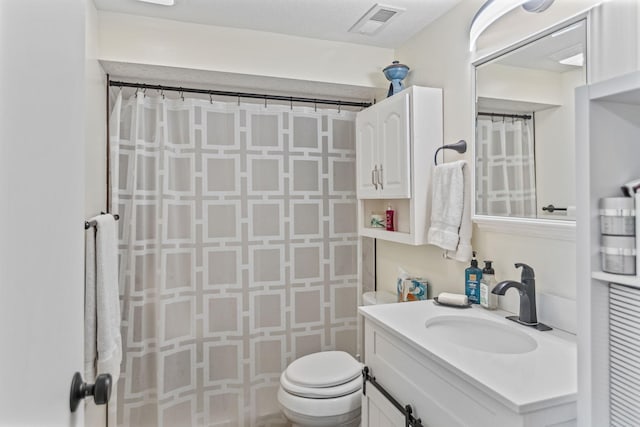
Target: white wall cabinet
column 608, row 128
column 383, row 149
column 395, row 143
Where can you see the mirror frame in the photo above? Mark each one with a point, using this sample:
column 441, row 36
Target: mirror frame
column 543, row 228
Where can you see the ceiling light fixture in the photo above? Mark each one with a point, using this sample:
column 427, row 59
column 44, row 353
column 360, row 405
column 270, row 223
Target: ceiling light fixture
column 493, row 10
column 160, row 2
column 375, row 19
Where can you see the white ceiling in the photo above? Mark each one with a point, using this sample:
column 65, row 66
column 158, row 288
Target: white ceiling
column 319, row 19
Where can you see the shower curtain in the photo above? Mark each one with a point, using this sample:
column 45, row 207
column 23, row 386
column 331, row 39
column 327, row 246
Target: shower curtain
column 505, row 160
column 237, row 252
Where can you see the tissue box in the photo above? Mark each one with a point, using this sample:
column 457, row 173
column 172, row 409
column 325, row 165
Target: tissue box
column 412, row 289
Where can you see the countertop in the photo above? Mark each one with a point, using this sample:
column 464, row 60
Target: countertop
column 543, row 377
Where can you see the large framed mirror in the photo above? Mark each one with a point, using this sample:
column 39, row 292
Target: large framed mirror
column 524, row 148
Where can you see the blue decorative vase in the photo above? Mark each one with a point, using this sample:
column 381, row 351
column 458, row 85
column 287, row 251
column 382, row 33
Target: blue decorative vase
column 395, row 73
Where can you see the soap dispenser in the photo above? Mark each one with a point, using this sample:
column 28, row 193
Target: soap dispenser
column 472, row 278
column 488, row 299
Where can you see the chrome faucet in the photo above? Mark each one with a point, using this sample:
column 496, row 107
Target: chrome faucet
column 527, row 289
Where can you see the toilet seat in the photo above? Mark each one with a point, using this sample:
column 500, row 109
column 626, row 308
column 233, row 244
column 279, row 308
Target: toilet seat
column 329, row 407
column 323, row 369
column 320, row 392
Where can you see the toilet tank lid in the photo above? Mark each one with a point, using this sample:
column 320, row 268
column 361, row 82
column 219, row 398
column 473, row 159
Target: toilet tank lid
column 378, row 297
column 323, row 369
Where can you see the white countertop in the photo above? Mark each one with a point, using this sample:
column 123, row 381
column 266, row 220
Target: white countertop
column 543, row 377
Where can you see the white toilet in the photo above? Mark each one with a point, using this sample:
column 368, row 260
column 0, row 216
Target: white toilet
column 323, row 389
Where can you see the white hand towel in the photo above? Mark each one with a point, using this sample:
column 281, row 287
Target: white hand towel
column 450, row 216
column 102, row 305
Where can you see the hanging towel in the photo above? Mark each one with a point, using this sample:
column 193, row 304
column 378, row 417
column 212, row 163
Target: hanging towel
column 103, row 344
column 450, row 214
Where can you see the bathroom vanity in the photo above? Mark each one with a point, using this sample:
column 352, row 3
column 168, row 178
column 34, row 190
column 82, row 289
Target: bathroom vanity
column 466, row 367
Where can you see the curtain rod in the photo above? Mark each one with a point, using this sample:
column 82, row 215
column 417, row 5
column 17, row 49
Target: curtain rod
column 290, row 99
column 506, row 116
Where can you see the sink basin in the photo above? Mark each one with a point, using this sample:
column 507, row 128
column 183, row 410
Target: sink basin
column 480, row 334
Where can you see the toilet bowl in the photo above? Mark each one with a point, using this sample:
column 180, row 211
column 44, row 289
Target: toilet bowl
column 322, row 390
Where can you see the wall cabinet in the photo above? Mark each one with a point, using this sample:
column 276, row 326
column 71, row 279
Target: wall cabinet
column 395, row 143
column 382, row 145
column 608, row 127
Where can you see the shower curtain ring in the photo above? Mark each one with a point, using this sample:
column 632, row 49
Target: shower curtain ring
column 238, row 100
column 265, row 101
column 315, row 105
column 144, row 92
column 210, row 99
column 339, row 106
column 162, row 93
column 181, row 95
column 291, row 103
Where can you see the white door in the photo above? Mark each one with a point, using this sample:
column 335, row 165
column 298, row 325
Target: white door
column 366, row 153
column 393, row 142
column 41, row 209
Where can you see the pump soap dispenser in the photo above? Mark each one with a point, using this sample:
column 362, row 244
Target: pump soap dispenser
column 472, row 278
column 488, row 299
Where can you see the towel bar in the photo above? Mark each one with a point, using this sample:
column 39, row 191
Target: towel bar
column 89, row 224
column 460, row 147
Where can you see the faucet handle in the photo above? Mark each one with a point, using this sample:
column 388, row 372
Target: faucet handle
column 527, row 271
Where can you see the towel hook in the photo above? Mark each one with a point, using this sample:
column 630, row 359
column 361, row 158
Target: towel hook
column 460, row 147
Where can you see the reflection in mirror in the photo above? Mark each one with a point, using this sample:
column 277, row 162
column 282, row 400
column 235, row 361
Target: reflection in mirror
column 525, row 162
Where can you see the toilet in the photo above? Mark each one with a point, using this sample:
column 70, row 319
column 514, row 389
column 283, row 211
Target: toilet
column 323, row 389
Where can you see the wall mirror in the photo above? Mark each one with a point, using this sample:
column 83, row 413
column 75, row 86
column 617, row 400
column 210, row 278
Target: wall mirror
column 524, row 128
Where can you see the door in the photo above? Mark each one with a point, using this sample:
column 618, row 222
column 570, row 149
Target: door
column 393, row 146
column 41, row 209
column 367, row 154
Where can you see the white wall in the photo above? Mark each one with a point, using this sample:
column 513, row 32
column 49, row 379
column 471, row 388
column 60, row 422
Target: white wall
column 42, row 83
column 95, row 125
column 499, row 81
column 440, row 57
column 447, row 65
column 140, row 40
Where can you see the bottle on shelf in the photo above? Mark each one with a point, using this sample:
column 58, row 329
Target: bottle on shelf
column 390, row 213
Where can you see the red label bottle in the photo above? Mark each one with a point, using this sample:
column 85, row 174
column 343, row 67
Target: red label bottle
column 389, row 219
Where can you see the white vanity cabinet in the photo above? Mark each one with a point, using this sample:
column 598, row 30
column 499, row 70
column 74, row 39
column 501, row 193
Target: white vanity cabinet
column 452, row 386
column 395, row 143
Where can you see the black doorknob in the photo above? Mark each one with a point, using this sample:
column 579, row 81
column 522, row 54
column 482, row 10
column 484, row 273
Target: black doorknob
column 101, row 390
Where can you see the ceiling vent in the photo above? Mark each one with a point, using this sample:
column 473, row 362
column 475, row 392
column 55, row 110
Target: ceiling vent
column 375, row 19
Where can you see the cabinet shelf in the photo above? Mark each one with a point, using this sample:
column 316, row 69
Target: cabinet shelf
column 392, row 236
column 633, row 281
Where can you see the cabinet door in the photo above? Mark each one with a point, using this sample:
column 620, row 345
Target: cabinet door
column 366, row 154
column 377, row 411
column 393, row 146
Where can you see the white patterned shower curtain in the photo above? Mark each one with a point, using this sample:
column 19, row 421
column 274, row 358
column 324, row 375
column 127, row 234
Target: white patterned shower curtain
column 505, row 164
column 237, row 253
